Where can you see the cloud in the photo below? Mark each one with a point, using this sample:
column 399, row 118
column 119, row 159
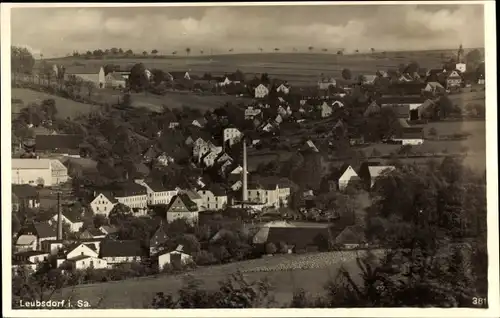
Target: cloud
column 385, row 27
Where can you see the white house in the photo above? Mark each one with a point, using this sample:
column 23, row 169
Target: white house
column 209, row 159
column 173, row 124
column 283, row 89
column 224, row 158
column 46, row 172
column 30, row 259
column 182, row 207
column 94, row 75
column 237, row 170
column 83, row 262
column 157, row 193
column 261, row 91
column 251, row 112
column 267, row 127
column 81, row 249
column 165, row 159
column 338, row 104
column 269, row 193
column 134, row 196
column 74, row 219
column 376, row 172
column 200, row 147
column 232, row 135
column 347, row 176
column 186, row 76
column 213, row 198
column 462, row 67
column 278, row 119
column 171, row 257
column 326, row 110
column 103, row 204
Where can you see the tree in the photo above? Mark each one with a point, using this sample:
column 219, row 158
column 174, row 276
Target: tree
column 21, row 60
column 129, row 52
column 474, row 57
column 144, row 53
column 154, row 52
column 372, row 50
column 445, row 106
column 346, row 74
column 174, row 52
column 188, row 50
column 119, row 212
column 413, row 67
column 276, row 49
column 311, row 48
column 270, row 248
column 138, row 80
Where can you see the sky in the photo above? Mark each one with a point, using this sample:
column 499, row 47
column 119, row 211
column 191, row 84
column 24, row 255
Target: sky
column 245, row 29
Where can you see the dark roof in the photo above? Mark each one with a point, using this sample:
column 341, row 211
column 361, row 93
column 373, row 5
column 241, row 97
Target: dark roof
column 353, row 234
column 407, row 88
column 27, row 254
column 55, row 142
column 130, row 189
column 44, row 230
column 109, row 228
column 94, row 232
column 217, row 189
column 300, row 237
column 73, row 215
column 156, row 186
column 112, row 248
column 83, row 69
column 397, row 100
column 109, row 196
column 24, row 191
column 363, row 169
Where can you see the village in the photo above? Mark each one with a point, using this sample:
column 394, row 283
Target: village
column 287, row 172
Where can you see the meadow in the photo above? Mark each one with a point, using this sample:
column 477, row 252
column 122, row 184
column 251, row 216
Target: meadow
column 135, row 293
column 65, row 107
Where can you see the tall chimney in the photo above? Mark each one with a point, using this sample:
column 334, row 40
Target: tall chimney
column 59, row 217
column 245, row 192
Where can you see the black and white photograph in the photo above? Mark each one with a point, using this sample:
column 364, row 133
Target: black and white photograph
column 256, row 156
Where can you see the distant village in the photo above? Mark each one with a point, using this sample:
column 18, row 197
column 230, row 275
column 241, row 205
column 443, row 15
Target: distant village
column 197, row 169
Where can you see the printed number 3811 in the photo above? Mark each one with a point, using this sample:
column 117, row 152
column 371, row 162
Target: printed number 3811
column 477, row 301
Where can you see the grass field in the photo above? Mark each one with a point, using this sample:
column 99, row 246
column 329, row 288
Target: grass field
column 297, row 68
column 134, row 293
column 65, row 107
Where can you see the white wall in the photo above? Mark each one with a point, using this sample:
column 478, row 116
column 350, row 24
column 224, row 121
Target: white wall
column 94, row 262
column 135, row 201
column 188, row 216
column 165, row 258
column 122, row 259
column 101, row 205
column 30, row 176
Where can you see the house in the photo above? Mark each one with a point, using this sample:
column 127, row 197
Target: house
column 351, row 237
column 310, row 146
column 193, row 196
column 116, row 252
column 337, row 104
column 283, row 88
column 174, row 124
column 91, row 233
column 176, row 258
column 267, row 127
column 27, row 197
column 434, row 88
column 182, row 207
column 61, row 144
column 30, row 259
column 134, row 196
column 32, row 235
column 209, row 158
column 187, row 76
column 461, row 67
column 82, row 262
column 403, row 106
column 410, row 136
column 375, row 172
column 405, row 78
column 347, row 176
column 278, row 120
column 480, row 80
column 261, row 91
column 296, row 236
column 165, row 159
column 108, row 229
column 223, row 158
column 158, row 239
column 115, row 81
column 103, row 203
column 87, row 73
column 251, row 112
column 454, row 79
column 81, row 249
column 325, row 83
column 46, row 172
column 326, row 110
column 200, row 122
column 231, row 135
column 372, row 109
column 156, row 193
column 269, row 192
column 368, row 79
column 213, row 197
column 72, row 217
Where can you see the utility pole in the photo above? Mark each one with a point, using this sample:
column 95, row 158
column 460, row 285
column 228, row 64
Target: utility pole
column 59, row 217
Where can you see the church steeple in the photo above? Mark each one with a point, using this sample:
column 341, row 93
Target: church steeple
column 460, row 54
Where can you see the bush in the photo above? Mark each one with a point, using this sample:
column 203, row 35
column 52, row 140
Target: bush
column 204, row 258
column 270, row 248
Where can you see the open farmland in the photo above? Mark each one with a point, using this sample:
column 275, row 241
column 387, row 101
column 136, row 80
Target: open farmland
column 178, row 99
column 297, row 68
column 286, row 273
column 65, row 107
